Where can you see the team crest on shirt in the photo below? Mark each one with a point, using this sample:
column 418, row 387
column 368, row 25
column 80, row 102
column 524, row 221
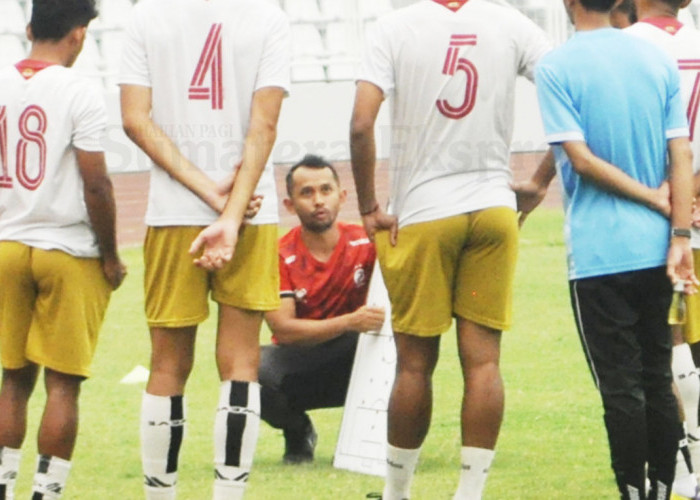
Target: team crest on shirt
column 359, row 276
column 300, row 294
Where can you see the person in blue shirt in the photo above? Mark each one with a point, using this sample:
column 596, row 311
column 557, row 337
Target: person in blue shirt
column 612, row 109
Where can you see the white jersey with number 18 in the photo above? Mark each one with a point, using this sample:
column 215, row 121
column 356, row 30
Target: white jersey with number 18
column 452, row 77
column 203, row 61
column 45, row 112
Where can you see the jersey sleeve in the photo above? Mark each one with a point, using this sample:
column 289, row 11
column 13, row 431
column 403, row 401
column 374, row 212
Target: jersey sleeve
column 89, row 119
column 274, row 68
column 562, row 121
column 534, row 44
column 286, row 288
column 134, row 63
column 676, row 120
column 377, row 65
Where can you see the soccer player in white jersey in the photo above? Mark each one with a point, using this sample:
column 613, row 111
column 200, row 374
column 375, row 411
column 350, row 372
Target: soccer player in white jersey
column 659, row 24
column 448, row 246
column 201, row 88
column 58, row 255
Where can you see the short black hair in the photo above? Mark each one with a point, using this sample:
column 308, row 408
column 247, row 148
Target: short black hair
column 598, row 5
column 629, row 8
column 310, row 161
column 54, row 19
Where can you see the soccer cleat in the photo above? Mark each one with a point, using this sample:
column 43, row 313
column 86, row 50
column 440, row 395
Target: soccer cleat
column 374, row 495
column 299, row 446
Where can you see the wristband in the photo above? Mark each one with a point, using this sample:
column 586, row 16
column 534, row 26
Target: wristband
column 371, row 210
column 680, row 232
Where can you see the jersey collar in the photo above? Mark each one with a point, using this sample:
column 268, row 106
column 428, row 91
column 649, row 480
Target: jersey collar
column 453, row 5
column 670, row 25
column 28, row 67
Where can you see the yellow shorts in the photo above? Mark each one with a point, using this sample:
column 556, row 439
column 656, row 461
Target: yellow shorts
column 51, row 308
column 177, row 291
column 462, row 265
column 691, row 329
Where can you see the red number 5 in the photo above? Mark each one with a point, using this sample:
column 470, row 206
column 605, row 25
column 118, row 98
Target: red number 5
column 454, row 63
column 28, row 136
column 694, row 103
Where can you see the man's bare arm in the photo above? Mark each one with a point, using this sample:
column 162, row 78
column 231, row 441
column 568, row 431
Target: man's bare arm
column 99, row 201
column 219, row 239
column 363, row 152
column 290, row 330
column 611, row 178
column 147, row 135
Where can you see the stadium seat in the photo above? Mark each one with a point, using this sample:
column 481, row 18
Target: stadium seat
column 89, row 62
column 115, row 13
column 111, row 44
column 308, row 70
column 12, row 50
column 343, row 50
column 374, row 8
column 12, row 18
column 335, row 10
column 302, row 10
column 306, row 41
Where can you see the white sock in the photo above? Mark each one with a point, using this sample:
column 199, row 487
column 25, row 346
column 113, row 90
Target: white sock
column 400, row 467
column 9, row 468
column 685, row 483
column 476, row 463
column 685, row 375
column 236, row 429
column 162, row 432
column 50, row 477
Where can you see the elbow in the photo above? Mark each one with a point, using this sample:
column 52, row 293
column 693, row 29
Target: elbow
column 131, row 123
column 100, row 188
column 360, row 129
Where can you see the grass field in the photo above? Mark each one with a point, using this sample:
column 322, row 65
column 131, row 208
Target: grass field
column 552, row 444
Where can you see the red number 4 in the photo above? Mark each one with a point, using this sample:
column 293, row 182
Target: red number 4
column 454, row 63
column 210, row 62
column 694, row 103
column 28, row 136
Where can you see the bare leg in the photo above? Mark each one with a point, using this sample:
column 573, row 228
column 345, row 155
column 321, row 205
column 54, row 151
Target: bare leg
column 172, row 357
column 237, row 421
column 410, row 405
column 238, row 344
column 483, row 401
column 59, row 424
column 17, row 387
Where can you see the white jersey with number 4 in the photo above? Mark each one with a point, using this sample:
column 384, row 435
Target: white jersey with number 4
column 45, row 112
column 682, row 43
column 203, row 61
column 452, row 78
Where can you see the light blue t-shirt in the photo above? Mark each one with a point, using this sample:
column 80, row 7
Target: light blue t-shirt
column 620, row 95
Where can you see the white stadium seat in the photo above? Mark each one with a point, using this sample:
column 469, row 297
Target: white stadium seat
column 343, row 50
column 302, row 10
column 12, row 50
column 12, row 18
column 306, row 41
column 115, row 13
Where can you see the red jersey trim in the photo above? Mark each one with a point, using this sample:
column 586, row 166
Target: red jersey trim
column 28, row 67
column 670, row 25
column 453, row 5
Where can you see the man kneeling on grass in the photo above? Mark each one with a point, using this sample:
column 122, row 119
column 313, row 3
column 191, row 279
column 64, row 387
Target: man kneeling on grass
column 325, row 267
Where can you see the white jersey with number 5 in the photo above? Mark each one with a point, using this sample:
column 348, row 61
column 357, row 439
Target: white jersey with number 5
column 203, row 61
column 45, row 112
column 452, row 78
column 682, row 43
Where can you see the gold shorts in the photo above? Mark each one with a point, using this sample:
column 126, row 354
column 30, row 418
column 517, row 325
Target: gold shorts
column 51, row 308
column 462, row 265
column 177, row 291
column 691, row 329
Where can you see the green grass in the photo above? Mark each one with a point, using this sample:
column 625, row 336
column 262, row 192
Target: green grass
column 552, row 444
